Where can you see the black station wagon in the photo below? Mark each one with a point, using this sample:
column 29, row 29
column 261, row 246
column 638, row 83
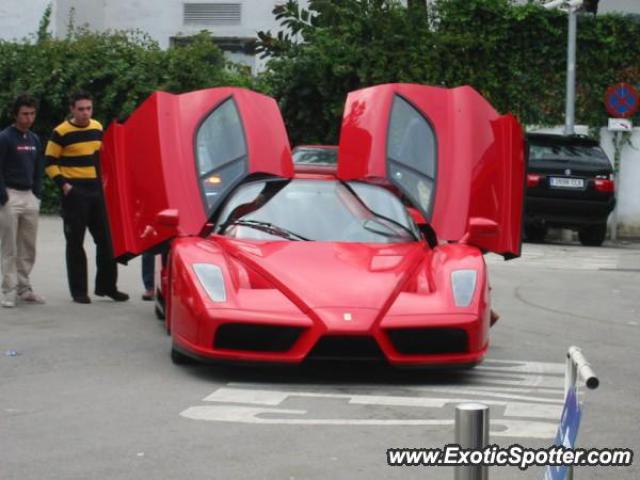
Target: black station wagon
column 569, row 185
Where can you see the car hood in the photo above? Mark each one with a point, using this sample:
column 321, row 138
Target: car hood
column 317, row 275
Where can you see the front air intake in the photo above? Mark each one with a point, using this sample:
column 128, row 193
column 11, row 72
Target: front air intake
column 337, row 347
column 256, row 338
column 428, row 341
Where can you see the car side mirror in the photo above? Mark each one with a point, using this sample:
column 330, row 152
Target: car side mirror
column 417, row 216
column 480, row 228
column 168, row 218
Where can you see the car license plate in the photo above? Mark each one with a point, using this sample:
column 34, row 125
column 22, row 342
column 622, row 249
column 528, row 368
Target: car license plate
column 566, row 182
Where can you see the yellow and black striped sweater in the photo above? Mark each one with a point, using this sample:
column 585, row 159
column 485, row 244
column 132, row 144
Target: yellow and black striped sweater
column 71, row 153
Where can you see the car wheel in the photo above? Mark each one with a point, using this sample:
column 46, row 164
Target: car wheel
column 535, row 233
column 593, row 236
column 179, row 358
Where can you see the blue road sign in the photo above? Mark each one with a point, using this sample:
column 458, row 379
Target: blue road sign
column 621, row 100
column 567, row 432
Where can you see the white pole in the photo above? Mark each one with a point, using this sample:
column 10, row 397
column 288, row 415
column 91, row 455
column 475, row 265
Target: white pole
column 570, row 105
column 583, row 368
column 575, row 365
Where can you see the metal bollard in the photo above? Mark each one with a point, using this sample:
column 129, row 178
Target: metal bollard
column 472, row 431
column 583, row 367
column 575, row 365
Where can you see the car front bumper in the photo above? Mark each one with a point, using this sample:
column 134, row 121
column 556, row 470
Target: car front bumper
column 236, row 336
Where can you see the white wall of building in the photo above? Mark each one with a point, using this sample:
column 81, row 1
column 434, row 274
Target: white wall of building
column 164, row 20
column 610, row 6
column 619, row 6
column 80, row 12
column 20, row 18
column 628, row 208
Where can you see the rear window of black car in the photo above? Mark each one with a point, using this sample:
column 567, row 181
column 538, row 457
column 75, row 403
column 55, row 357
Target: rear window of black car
column 575, row 153
column 315, row 156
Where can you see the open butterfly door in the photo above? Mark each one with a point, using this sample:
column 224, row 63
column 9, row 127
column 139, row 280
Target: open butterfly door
column 455, row 159
column 177, row 157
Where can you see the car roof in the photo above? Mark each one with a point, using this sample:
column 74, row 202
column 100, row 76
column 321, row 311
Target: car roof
column 557, row 139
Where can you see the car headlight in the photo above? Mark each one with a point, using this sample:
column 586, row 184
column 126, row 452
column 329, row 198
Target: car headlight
column 464, row 286
column 212, row 280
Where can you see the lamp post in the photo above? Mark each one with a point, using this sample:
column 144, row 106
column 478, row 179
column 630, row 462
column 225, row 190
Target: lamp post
column 572, row 7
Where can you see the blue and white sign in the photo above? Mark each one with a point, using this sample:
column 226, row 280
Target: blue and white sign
column 567, row 432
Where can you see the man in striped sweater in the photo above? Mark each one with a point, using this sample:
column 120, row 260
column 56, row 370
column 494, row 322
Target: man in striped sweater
column 71, row 162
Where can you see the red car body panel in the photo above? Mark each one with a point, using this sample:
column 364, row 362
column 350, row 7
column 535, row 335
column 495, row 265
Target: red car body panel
column 392, row 285
column 148, row 163
column 309, row 292
column 480, row 159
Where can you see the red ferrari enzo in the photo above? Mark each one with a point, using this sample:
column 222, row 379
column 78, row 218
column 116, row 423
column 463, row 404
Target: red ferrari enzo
column 380, row 256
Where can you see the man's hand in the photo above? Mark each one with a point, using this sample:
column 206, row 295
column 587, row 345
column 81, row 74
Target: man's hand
column 66, row 188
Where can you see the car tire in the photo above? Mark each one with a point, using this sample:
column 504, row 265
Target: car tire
column 179, row 358
column 535, row 233
column 593, row 236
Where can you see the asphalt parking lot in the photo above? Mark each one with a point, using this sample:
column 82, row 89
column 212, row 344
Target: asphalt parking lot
column 92, row 392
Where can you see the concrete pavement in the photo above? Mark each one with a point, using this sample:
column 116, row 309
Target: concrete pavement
column 93, row 393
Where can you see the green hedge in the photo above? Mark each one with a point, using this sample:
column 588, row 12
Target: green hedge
column 513, row 54
column 119, row 68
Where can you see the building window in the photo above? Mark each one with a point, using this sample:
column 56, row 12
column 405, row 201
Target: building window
column 212, row 13
column 241, row 45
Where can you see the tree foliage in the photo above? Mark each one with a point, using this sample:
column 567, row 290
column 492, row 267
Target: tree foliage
column 120, row 69
column 514, row 54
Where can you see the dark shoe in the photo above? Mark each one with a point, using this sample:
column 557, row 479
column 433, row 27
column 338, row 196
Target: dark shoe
column 82, row 299
column 115, row 295
column 148, row 295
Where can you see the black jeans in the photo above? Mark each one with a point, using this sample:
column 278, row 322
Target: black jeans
column 83, row 208
column 148, row 270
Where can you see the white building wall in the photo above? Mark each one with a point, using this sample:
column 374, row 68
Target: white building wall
column 628, row 208
column 20, row 18
column 89, row 13
column 160, row 19
column 163, row 20
column 619, row 6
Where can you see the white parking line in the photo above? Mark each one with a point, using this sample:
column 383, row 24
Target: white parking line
column 241, row 414
column 500, row 427
column 526, row 400
column 276, row 397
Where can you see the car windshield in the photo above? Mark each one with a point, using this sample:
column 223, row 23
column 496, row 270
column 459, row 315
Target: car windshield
column 579, row 153
column 315, row 156
column 317, row 210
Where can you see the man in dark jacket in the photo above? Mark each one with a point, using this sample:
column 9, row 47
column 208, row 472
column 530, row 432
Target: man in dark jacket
column 21, row 169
